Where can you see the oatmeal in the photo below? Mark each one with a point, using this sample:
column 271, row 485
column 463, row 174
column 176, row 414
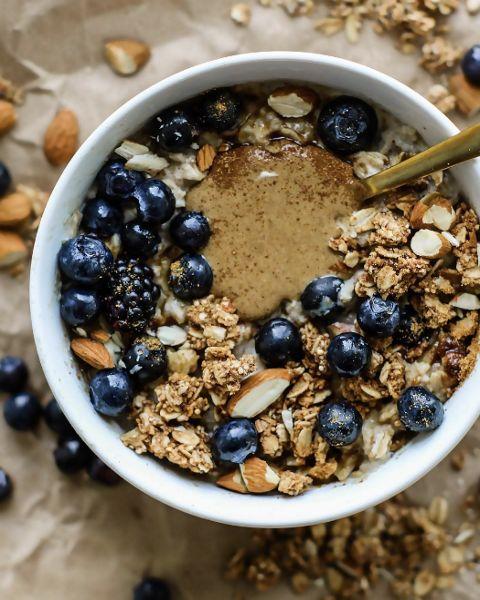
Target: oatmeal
column 250, row 321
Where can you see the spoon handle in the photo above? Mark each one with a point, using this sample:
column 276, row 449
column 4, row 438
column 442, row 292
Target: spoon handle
column 446, row 154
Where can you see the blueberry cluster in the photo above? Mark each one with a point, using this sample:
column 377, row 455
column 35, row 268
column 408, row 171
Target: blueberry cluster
column 22, row 411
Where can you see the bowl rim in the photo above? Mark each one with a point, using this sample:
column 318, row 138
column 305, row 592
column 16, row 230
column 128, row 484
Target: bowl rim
column 274, row 511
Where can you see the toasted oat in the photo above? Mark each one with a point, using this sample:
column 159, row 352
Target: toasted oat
column 222, row 373
column 212, row 322
column 292, row 483
column 179, row 398
column 316, row 346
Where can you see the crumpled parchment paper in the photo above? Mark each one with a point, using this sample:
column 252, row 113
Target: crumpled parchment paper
column 64, row 537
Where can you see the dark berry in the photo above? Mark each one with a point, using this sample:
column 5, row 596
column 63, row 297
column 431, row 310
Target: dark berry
column 471, row 65
column 190, row 277
column 56, row 420
column 411, row 329
column 219, row 110
column 111, row 392
column 339, row 423
column 139, row 239
column 5, row 179
column 13, row 374
column 152, row 588
column 6, row 486
column 85, row 259
column 22, row 411
column 348, row 354
column 155, row 202
column 71, row 455
column 320, row 299
column 235, row 441
column 379, row 317
column 130, row 295
column 116, row 182
column 279, row 342
column 190, row 230
column 101, row 217
column 347, row 124
column 100, row 473
column 173, row 130
column 146, row 359
column 420, row 410
column 79, row 305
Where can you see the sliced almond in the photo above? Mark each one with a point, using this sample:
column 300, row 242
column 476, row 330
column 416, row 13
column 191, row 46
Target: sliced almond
column 466, row 301
column 14, row 209
column 258, row 392
column 258, row 476
column 430, row 244
column 205, row 157
column 8, row 116
column 434, row 211
column 233, row 481
column 147, row 162
column 61, row 138
column 126, row 57
column 12, row 249
column 172, row 335
column 292, row 101
column 467, row 95
column 129, row 149
column 93, row 353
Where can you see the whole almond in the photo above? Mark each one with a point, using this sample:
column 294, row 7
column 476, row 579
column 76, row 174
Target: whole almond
column 93, row 353
column 430, row 244
column 205, row 157
column 14, row 209
column 61, row 138
column 8, row 116
column 100, row 335
column 258, row 476
column 126, row 57
column 12, row 249
column 434, row 211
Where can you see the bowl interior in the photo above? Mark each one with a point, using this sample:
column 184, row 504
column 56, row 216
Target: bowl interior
column 180, row 490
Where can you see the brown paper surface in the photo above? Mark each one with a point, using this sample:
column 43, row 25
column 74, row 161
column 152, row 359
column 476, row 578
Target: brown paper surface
column 66, row 537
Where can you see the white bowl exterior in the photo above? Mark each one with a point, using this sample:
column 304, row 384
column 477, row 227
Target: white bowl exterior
column 194, row 496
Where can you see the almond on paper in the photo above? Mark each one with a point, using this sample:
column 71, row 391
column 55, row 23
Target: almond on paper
column 93, row 353
column 12, row 249
column 14, row 209
column 258, row 392
column 233, row 481
column 8, row 116
column 258, row 476
column 126, row 57
column 61, row 138
column 430, row 244
column 292, row 101
column 433, row 211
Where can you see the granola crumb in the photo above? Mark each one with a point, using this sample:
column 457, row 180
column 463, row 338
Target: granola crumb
column 293, row 483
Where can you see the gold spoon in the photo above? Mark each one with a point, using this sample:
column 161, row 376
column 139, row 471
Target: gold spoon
column 446, row 154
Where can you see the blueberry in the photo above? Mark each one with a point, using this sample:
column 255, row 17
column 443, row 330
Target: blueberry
column 155, row 202
column 420, row 410
column 146, row 359
column 379, row 317
column 410, row 330
column 115, row 182
column 22, row 411
column 71, row 455
column 173, row 130
column 56, row 420
column 279, row 342
column 347, row 124
column 100, row 473
column 139, row 239
column 101, row 217
column 471, row 65
column 219, row 110
column 348, row 354
column 320, row 299
column 111, row 392
column 5, row 179
column 79, row 305
column 235, row 441
column 13, row 374
column 190, row 230
column 85, row 259
column 190, row 277
column 6, row 486
column 152, row 588
column 339, row 423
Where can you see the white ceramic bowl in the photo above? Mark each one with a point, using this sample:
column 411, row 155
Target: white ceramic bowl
column 181, row 491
